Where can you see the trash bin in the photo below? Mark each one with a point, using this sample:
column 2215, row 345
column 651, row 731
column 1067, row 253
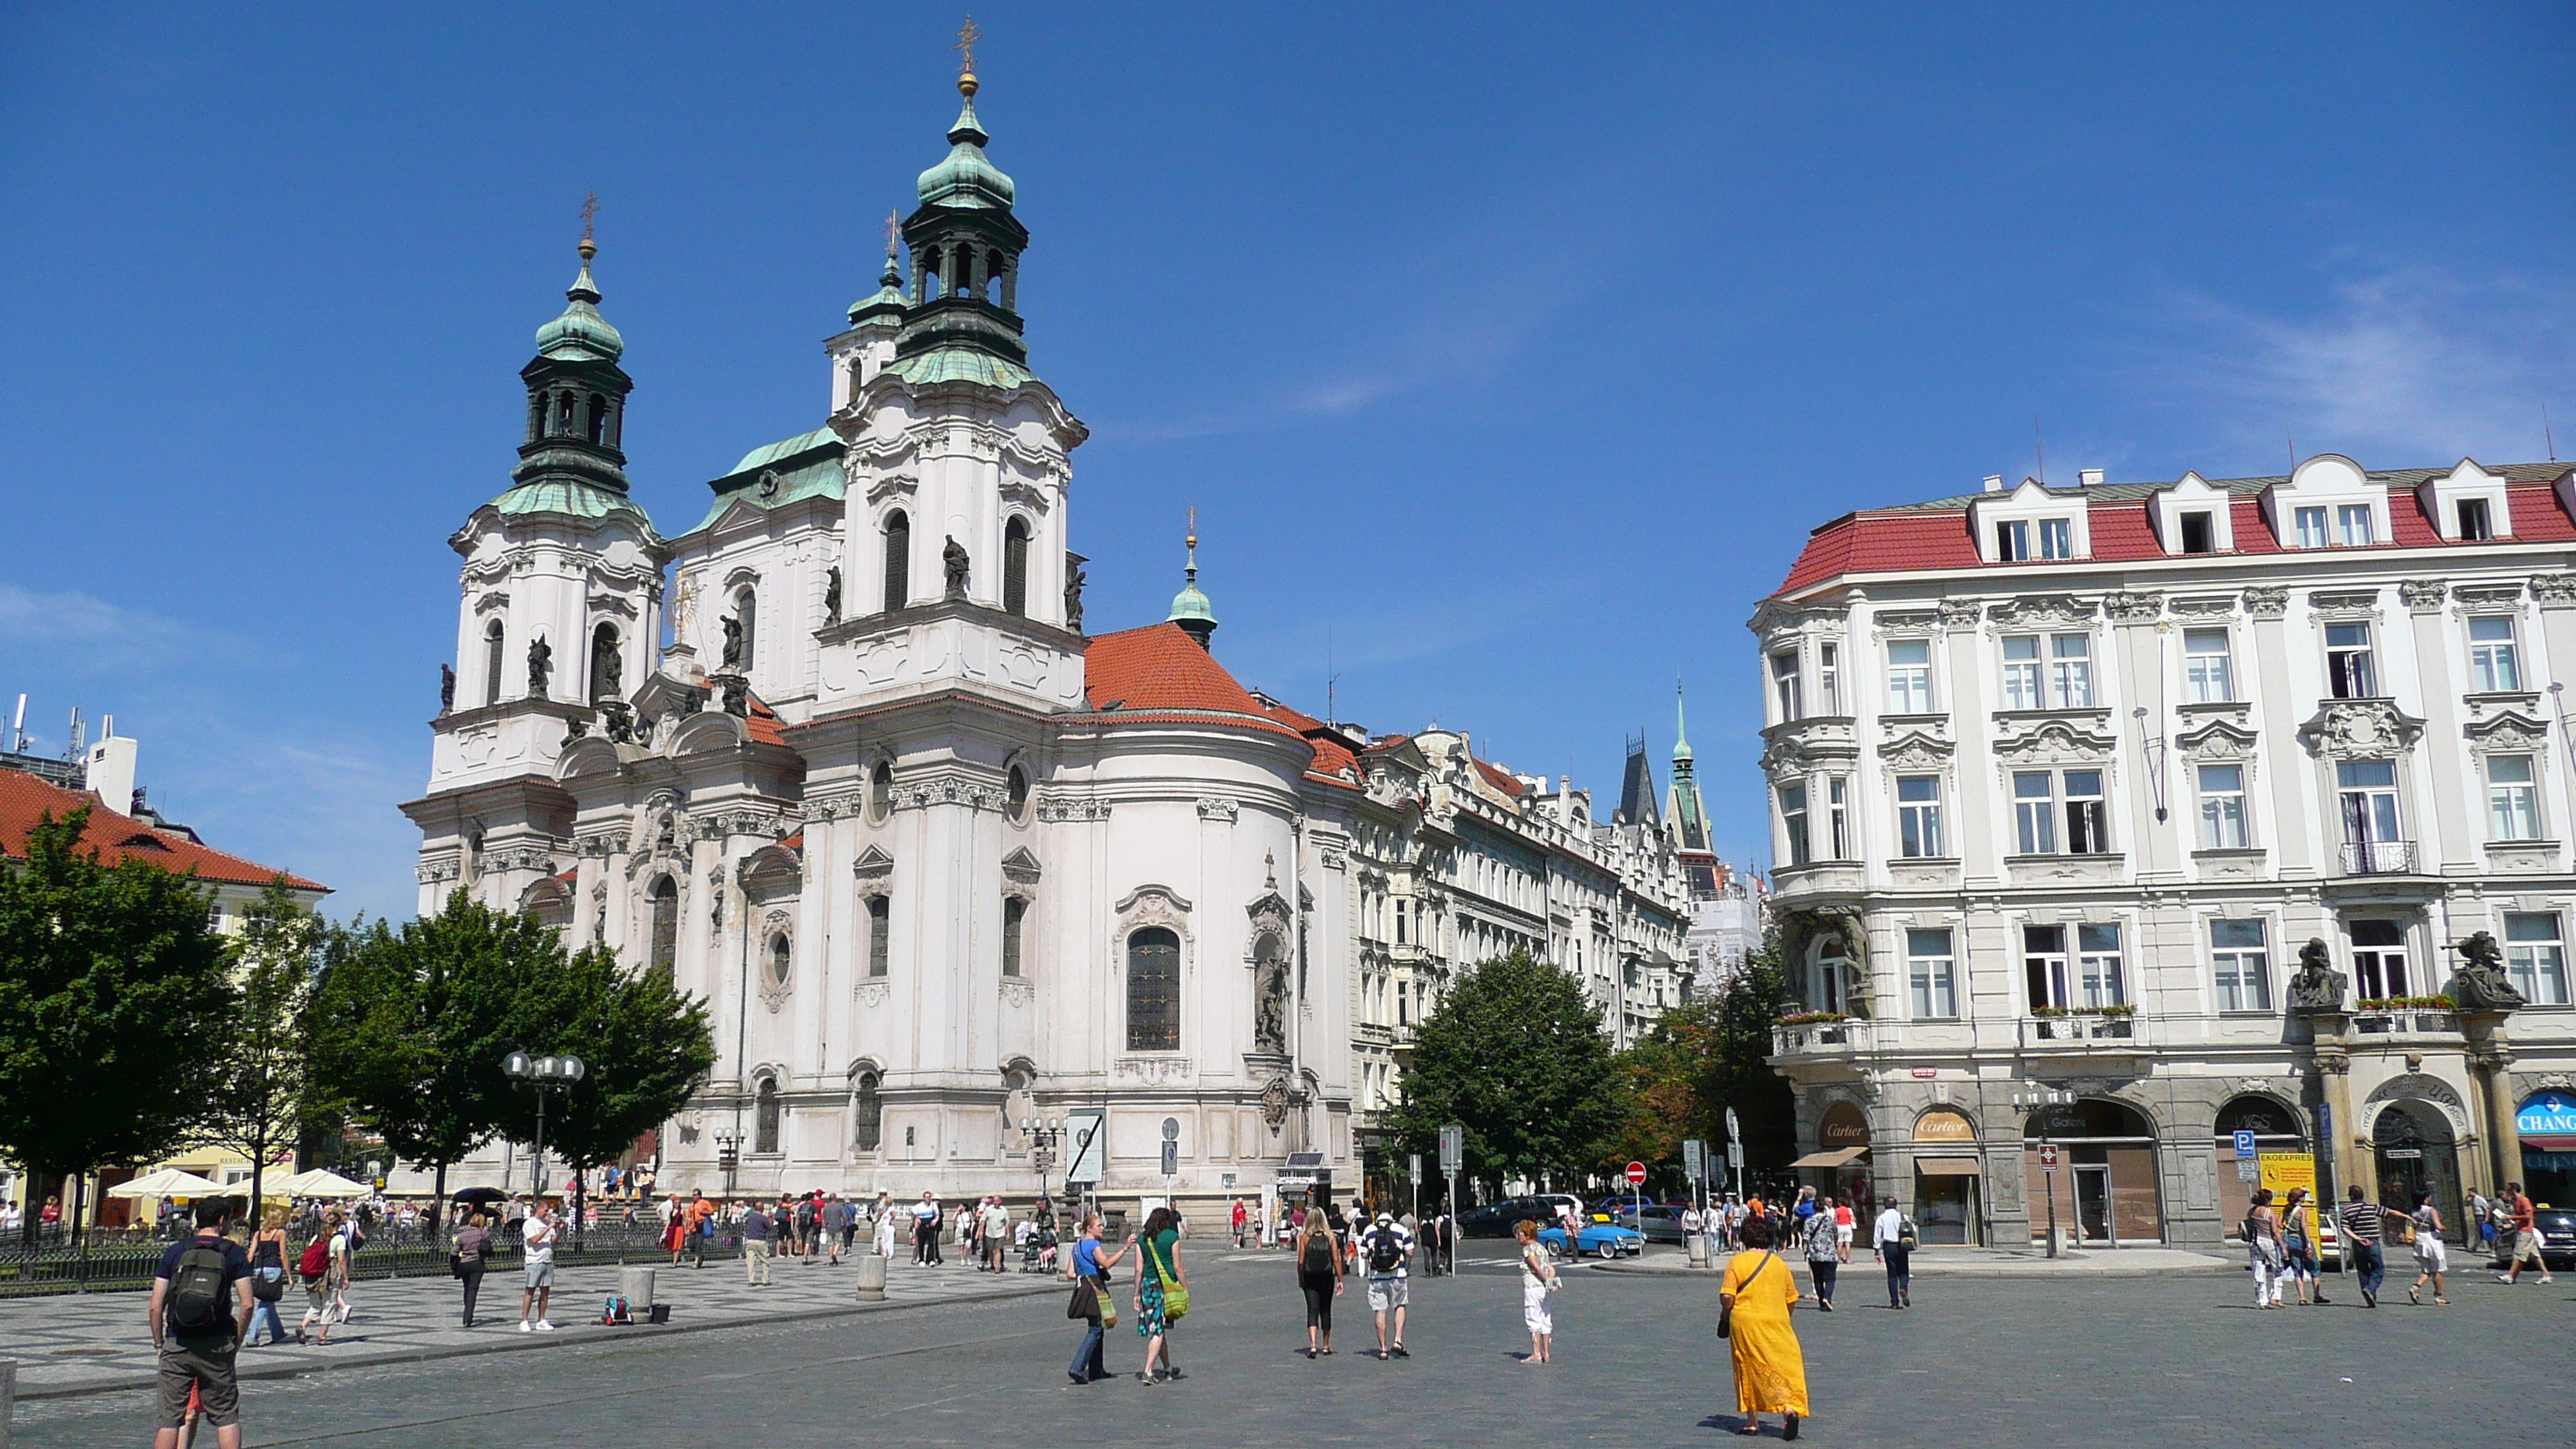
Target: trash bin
column 635, row 1285
column 1699, row 1250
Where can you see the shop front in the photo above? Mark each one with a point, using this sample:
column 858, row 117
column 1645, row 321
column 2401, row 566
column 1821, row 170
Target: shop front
column 2103, row 1189
column 2277, row 1134
column 2547, row 1126
column 1947, row 1174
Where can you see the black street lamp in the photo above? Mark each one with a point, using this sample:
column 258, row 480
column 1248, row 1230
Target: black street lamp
column 1043, row 1134
column 2041, row 1103
column 545, row 1074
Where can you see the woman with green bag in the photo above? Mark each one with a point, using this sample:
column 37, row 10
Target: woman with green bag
column 1162, row 1292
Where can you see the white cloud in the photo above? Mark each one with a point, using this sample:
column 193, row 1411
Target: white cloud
column 94, row 634
column 2407, row 368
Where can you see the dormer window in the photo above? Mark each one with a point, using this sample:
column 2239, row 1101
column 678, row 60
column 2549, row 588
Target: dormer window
column 2476, row 525
column 2352, row 521
column 2197, row 536
column 2056, row 538
column 2312, row 528
column 2012, row 542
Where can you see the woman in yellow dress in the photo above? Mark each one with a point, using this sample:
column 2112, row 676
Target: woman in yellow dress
column 1770, row 1373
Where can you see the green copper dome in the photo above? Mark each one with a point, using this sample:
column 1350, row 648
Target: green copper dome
column 966, row 178
column 1191, row 606
column 581, row 332
column 570, row 497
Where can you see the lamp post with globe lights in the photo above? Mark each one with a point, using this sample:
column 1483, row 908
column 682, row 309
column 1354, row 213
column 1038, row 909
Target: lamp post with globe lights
column 1043, row 1134
column 545, row 1074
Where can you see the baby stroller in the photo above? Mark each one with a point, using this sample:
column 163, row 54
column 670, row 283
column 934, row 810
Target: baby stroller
column 1037, row 1255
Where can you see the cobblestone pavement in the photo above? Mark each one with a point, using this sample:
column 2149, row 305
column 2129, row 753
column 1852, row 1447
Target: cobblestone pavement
column 79, row 1343
column 2086, row 1361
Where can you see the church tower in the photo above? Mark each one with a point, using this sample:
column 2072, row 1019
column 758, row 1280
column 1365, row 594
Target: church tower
column 958, row 464
column 555, row 614
column 1688, row 813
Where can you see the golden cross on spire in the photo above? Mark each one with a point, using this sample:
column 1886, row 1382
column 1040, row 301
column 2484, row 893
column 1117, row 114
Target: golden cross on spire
column 589, row 210
column 1193, row 539
column 894, row 228
column 967, row 35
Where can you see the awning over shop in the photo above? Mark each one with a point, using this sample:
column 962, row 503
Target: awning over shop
column 1831, row 1157
column 1946, row 1166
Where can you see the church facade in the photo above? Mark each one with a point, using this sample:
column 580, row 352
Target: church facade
column 942, row 862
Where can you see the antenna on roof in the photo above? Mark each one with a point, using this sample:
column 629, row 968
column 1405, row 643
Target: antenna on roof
column 18, row 727
column 2292, row 439
column 2546, row 436
column 2040, row 445
column 80, row 737
column 1330, row 678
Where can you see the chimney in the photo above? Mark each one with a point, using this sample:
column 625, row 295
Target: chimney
column 110, row 769
column 1994, row 482
column 2089, row 477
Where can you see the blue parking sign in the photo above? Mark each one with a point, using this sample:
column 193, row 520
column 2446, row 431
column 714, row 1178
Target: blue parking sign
column 2244, row 1144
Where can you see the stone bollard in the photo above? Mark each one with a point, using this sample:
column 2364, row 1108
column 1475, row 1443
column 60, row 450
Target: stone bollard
column 1699, row 1250
column 635, row 1285
column 872, row 1270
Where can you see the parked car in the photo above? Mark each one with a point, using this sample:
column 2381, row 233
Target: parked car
column 2557, row 1230
column 1662, row 1224
column 1495, row 1219
column 1601, row 1240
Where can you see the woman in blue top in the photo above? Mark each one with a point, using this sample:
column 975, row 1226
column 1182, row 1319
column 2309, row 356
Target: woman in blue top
column 1090, row 1265
column 1159, row 1249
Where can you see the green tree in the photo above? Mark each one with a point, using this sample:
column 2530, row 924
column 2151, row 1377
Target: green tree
column 1515, row 1055
column 114, row 1008
column 409, row 1027
column 265, row 1094
column 644, row 1044
column 1700, row 1059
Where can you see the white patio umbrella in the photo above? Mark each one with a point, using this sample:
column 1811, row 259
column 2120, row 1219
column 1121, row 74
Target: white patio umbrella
column 168, row 1182
column 320, row 1182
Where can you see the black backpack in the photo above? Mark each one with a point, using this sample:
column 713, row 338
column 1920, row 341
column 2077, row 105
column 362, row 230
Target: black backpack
column 1385, row 1253
column 268, row 1273
column 196, row 1303
column 1318, row 1257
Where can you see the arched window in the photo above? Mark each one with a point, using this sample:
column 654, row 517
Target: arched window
column 867, row 1113
column 1014, row 912
column 665, row 949
column 765, row 1115
column 1015, row 567
column 782, row 956
column 1019, row 793
column 536, row 416
column 598, row 419
column 1153, row 991
column 880, row 933
column 881, row 791
column 898, row 561
column 605, row 669
column 746, row 617
column 492, row 661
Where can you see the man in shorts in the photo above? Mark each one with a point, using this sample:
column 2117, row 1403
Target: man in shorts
column 538, row 1233
column 1386, row 1250
column 200, row 1313
column 2525, row 1245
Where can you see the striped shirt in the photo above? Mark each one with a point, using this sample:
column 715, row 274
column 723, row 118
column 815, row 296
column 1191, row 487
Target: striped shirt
column 2361, row 1222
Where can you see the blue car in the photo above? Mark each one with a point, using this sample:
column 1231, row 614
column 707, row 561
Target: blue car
column 1601, row 1240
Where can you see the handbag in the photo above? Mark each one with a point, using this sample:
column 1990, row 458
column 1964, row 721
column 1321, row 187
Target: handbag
column 1176, row 1295
column 1085, row 1303
column 1726, row 1312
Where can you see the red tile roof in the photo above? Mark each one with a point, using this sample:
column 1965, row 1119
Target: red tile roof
column 1332, row 750
column 25, row 799
column 1935, row 537
column 1500, row 779
column 1160, row 671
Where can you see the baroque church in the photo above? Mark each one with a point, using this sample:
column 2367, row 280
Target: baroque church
column 941, row 861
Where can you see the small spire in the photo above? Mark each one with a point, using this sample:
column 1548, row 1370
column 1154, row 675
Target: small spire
column 967, row 35
column 1681, row 733
column 582, row 288
column 1192, row 542
column 1190, row 608
column 893, row 276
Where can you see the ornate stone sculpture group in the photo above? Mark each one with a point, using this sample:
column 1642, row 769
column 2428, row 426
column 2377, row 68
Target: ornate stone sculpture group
column 2317, row 986
column 2481, row 984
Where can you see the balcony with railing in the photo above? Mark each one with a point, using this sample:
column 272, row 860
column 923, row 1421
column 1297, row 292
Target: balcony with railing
column 2405, row 1023
column 2379, row 857
column 2084, row 1032
column 1821, row 1038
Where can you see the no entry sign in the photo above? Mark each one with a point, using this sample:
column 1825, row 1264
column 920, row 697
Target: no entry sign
column 1636, row 1174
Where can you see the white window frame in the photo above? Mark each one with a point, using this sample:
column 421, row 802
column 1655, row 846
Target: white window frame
column 2101, row 966
column 1909, row 683
column 2354, row 527
column 1918, row 822
column 2012, row 541
column 1931, row 972
column 1838, row 822
column 2495, row 665
column 2537, row 963
column 2034, row 814
column 2241, row 973
column 2050, row 965
column 2311, row 527
column 1793, row 822
column 2210, row 675
column 2056, row 538
column 2513, row 806
column 1788, row 690
column 2070, row 674
column 1829, row 679
column 2222, row 810
column 2348, row 681
column 2025, row 676
column 2376, row 961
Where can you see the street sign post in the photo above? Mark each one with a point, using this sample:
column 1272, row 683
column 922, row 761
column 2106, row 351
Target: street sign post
column 1735, row 1152
column 1637, row 1193
column 1083, row 1128
column 2245, row 1144
column 2048, row 1156
column 1453, row 1150
column 1636, row 1174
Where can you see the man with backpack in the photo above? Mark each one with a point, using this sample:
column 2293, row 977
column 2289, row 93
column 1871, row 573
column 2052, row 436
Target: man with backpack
column 1894, row 1237
column 200, row 1312
column 1385, row 1250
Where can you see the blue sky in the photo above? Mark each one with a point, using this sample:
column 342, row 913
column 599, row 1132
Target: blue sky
column 1507, row 353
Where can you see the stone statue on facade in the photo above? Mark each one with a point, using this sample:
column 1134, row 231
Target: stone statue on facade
column 446, row 689
column 617, row 719
column 732, row 642
column 2480, row 984
column 953, row 558
column 2317, row 986
column 1074, row 579
column 832, row 593
column 1270, row 1018
column 737, row 696
column 541, row 662
column 611, row 672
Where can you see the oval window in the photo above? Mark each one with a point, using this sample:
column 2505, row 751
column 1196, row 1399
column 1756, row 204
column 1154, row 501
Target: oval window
column 1019, row 793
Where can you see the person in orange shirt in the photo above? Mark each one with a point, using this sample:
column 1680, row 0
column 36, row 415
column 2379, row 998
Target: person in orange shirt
column 699, row 1212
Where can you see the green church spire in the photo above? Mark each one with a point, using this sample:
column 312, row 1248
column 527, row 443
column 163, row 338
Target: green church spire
column 1190, row 608
column 962, row 308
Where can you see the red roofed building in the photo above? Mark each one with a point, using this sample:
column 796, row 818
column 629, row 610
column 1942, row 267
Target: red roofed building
column 2201, row 804
column 115, row 837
